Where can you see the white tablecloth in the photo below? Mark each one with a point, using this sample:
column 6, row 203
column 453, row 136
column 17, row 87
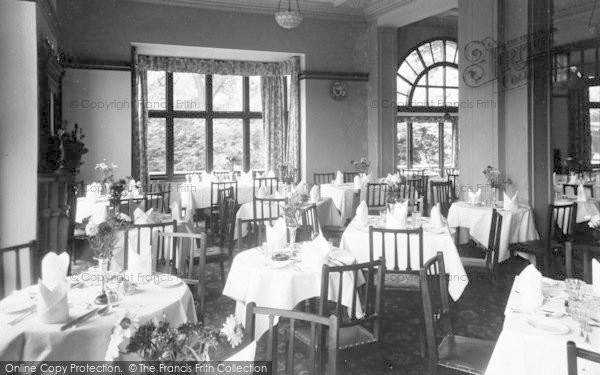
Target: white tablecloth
column 31, row 340
column 326, row 211
column 91, row 208
column 198, row 196
column 523, row 350
column 356, row 240
column 251, row 280
column 342, row 197
column 517, row 226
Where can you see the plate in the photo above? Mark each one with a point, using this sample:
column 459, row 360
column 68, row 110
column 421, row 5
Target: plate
column 16, row 303
column 281, row 257
column 170, row 283
column 549, row 326
column 435, row 230
column 277, row 264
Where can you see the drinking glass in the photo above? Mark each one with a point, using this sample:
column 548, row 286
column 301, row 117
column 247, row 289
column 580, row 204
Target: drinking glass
column 574, row 289
column 416, row 216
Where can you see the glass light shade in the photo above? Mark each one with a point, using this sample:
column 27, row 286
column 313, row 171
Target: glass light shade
column 289, row 19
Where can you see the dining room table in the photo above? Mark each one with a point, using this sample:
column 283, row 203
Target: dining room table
column 343, row 197
column 254, row 277
column 534, row 341
column 32, row 340
column 355, row 239
column 518, row 225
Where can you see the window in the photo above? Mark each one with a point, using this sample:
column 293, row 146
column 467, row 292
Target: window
column 197, row 121
column 594, row 94
column 427, row 87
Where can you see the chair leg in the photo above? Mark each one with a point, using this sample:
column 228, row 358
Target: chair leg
column 569, row 259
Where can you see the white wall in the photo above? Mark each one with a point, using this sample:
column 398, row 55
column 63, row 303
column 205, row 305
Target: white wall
column 18, row 127
column 100, row 102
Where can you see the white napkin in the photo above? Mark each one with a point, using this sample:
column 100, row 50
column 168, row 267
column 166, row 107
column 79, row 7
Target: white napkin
column 474, row 198
column 277, row 235
column 262, row 192
column 53, row 304
column 511, row 204
column 271, row 173
column 278, row 195
column 140, row 265
column 316, row 252
column 339, row 178
column 596, row 276
column 139, row 216
column 315, row 193
column 573, row 179
column 366, row 178
column 175, row 211
column 362, row 214
column 396, row 218
column 301, row 188
column 581, row 196
column 436, row 216
column 530, row 288
column 357, row 182
column 195, row 179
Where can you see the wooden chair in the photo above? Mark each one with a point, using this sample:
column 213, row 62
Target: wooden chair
column 412, row 173
column 267, row 207
column 149, row 231
column 219, row 191
column 458, row 353
column 560, row 219
column 419, row 185
column 256, row 232
column 159, row 201
column 399, row 278
column 28, row 250
column 572, row 188
column 221, row 249
column 258, row 173
column 322, row 356
column 410, row 189
column 573, row 352
column 323, row 178
column 490, row 260
column 349, row 176
column 128, row 205
column 309, row 223
column 180, row 247
column 377, row 196
column 441, row 192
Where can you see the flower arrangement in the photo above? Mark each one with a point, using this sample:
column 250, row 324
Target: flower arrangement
column 72, row 148
column 103, row 237
column 395, row 184
column 494, row 178
column 116, row 192
column 232, row 160
column 362, row 165
column 158, row 341
column 287, row 175
column 294, row 204
column 107, row 172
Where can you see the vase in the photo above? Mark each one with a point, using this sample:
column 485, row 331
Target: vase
column 102, row 298
column 292, row 234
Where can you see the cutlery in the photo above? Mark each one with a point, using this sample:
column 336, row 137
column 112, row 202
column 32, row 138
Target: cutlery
column 79, row 320
column 22, row 317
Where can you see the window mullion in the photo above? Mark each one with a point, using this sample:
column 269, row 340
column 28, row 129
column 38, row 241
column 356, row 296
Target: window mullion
column 246, row 126
column 209, row 123
column 441, row 147
column 169, row 131
column 409, row 145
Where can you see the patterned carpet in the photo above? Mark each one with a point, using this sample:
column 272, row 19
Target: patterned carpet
column 478, row 313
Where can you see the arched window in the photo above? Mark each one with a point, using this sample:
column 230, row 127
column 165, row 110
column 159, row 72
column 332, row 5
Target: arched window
column 428, row 76
column 427, row 98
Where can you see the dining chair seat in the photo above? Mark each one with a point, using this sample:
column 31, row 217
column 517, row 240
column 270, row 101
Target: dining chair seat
column 465, row 354
column 402, row 282
column 213, row 252
column 348, row 337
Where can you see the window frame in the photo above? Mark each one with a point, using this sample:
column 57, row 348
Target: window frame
column 592, row 105
column 209, row 115
column 426, row 111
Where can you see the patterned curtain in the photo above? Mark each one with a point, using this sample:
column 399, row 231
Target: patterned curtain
column 140, row 122
column 274, row 124
column 292, row 136
column 580, row 135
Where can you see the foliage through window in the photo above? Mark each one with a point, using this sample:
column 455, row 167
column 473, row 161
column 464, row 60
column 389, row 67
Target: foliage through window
column 427, row 88
column 197, row 121
column 594, row 97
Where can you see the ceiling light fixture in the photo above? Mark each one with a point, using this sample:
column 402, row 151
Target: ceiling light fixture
column 289, row 19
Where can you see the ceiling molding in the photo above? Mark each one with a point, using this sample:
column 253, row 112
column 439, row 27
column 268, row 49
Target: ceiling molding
column 309, row 8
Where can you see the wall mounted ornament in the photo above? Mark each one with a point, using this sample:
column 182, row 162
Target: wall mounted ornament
column 338, row 90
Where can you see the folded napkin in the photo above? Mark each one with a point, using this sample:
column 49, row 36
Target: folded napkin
column 362, row 214
column 511, row 204
column 530, row 288
column 277, row 235
column 139, row 216
column 396, row 216
column 581, row 195
column 271, row 173
column 436, row 216
column 339, row 178
column 573, row 179
column 262, row 192
column 301, row 188
column 474, row 198
column 53, row 304
column 315, row 193
column 245, row 178
column 195, row 179
column 357, row 182
column 140, row 265
column 596, row 276
column 175, row 211
column 278, row 195
column 366, row 178
column 315, row 253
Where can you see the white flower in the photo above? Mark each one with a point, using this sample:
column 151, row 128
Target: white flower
column 91, row 229
column 233, row 331
column 123, row 217
column 594, row 221
column 112, row 351
column 128, row 324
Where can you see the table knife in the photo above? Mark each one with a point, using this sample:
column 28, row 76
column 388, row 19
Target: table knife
column 81, row 319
